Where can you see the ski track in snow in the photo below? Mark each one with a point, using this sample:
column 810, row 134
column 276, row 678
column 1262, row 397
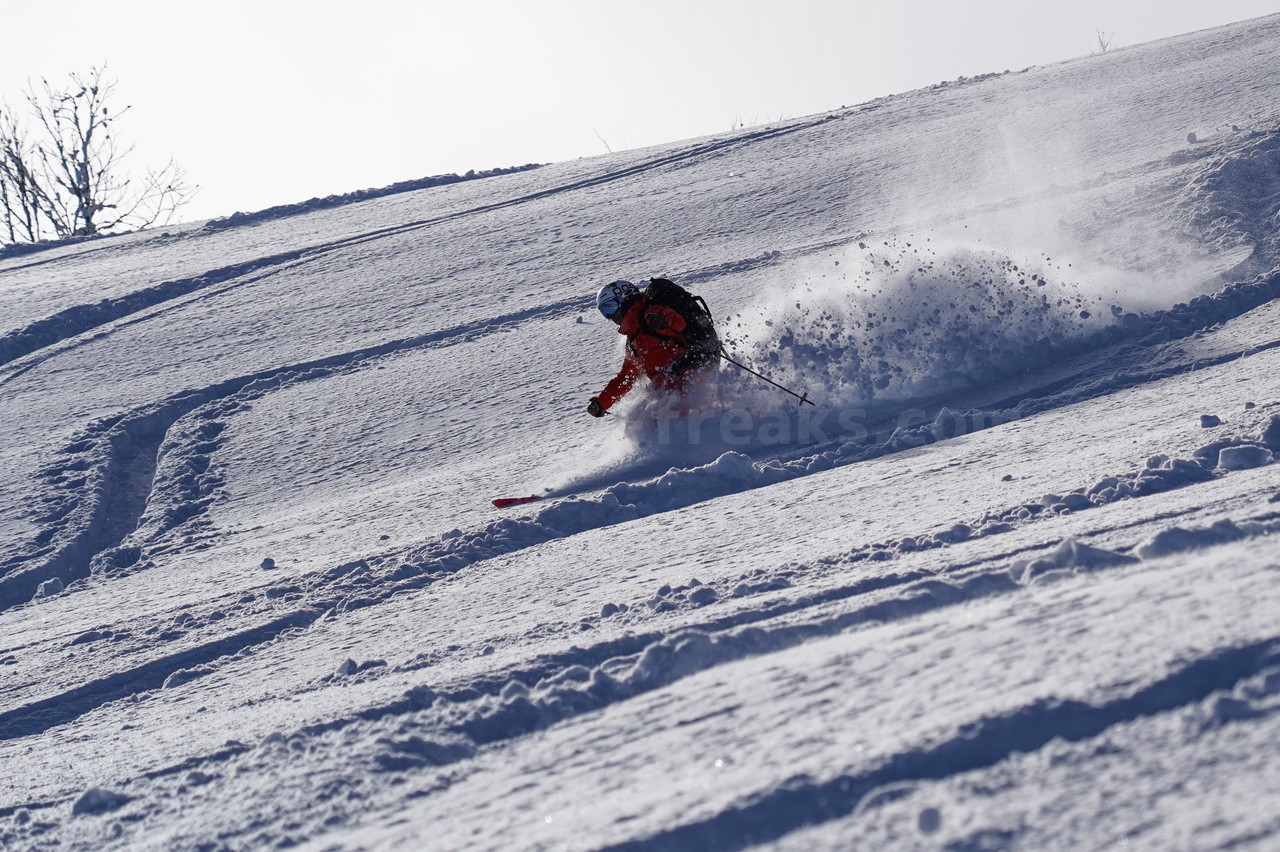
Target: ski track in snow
column 590, row 678
column 127, row 447
column 587, row 679
column 385, row 745
column 84, row 318
column 807, row 801
column 115, row 462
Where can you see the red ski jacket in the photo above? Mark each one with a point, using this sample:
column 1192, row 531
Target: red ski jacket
column 654, row 345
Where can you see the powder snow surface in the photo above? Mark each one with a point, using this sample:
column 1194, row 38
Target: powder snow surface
column 1008, row 584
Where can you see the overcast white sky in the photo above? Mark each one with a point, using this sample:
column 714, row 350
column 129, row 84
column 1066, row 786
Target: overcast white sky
column 268, row 102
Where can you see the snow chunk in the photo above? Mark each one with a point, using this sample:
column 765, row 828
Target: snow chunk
column 1243, row 458
column 182, row 676
column 98, row 801
column 413, row 752
column 1070, row 556
column 702, row 596
column 734, row 467
column 1177, row 539
column 1270, row 436
column 1251, row 698
column 672, row 658
column 1075, row 501
column 957, row 533
column 746, row 588
column 514, row 689
column 49, row 588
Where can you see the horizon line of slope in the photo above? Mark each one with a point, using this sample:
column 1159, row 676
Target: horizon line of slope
column 664, row 157
column 278, row 211
column 81, row 319
column 1209, row 202
column 316, row 203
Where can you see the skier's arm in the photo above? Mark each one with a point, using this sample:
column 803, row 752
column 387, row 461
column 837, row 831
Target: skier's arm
column 620, row 384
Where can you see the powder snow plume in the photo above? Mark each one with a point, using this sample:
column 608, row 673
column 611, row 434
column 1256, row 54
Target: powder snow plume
column 913, row 318
column 866, row 332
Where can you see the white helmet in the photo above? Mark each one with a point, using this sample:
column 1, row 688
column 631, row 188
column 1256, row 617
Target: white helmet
column 613, row 296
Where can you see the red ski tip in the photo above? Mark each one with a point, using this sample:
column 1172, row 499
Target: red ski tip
column 504, row 502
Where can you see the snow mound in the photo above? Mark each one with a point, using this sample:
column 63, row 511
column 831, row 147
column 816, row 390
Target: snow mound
column 1067, row 558
column 98, row 801
column 1177, row 539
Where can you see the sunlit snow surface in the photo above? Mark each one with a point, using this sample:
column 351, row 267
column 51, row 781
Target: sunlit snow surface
column 1008, row 583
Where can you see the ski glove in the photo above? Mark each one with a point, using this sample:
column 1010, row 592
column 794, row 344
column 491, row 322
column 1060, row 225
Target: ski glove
column 595, row 409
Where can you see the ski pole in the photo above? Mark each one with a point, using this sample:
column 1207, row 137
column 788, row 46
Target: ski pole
column 802, row 397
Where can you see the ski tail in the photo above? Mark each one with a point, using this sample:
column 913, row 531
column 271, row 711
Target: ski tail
column 504, row 502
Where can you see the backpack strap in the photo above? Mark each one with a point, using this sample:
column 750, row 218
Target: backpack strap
column 702, row 303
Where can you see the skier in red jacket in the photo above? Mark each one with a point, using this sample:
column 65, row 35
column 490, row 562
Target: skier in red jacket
column 670, row 337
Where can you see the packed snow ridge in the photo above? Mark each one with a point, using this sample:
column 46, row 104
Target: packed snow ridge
column 1005, row 586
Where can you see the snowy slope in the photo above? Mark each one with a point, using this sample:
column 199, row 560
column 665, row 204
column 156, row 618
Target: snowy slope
column 1002, row 588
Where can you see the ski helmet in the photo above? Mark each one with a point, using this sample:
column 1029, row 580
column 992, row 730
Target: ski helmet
column 613, row 296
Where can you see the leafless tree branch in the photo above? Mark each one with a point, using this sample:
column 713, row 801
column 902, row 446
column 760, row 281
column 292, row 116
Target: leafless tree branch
column 72, row 180
column 1104, row 43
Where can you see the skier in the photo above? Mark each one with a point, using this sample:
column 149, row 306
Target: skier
column 670, row 337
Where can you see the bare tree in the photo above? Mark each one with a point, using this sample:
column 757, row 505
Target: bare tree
column 1104, row 43
column 72, row 179
column 20, row 193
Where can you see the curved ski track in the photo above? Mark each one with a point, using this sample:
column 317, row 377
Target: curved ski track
column 435, row 727
column 450, row 722
column 111, row 465
column 81, row 319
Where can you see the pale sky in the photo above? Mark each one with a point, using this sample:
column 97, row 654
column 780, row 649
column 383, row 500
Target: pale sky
column 270, row 102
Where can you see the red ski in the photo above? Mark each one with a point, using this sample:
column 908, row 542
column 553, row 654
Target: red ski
column 504, row 502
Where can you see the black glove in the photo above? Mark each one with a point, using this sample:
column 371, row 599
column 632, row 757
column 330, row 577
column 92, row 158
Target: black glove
column 657, row 321
column 595, row 409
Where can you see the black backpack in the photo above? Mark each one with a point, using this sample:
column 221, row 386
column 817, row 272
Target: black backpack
column 699, row 330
